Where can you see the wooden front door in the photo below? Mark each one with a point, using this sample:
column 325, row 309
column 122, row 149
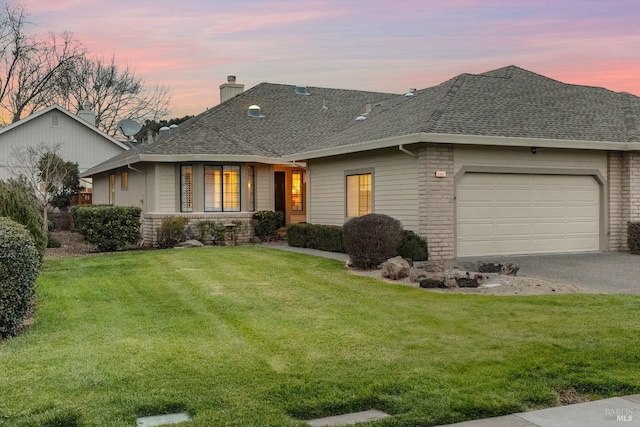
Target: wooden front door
column 280, row 203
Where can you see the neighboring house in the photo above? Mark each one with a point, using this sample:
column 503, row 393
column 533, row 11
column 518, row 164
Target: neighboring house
column 504, row 162
column 79, row 139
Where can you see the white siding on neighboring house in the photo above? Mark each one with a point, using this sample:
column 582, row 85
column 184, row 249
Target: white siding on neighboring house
column 78, row 143
column 395, row 186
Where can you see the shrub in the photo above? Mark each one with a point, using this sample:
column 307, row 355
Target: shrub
column 371, row 239
column 19, row 264
column 633, row 237
column 206, row 229
column 108, row 228
column 18, row 202
column 266, row 223
column 315, row 236
column 171, row 231
column 52, row 242
column 413, row 247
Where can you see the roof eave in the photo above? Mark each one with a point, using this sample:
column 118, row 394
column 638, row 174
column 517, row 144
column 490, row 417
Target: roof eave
column 466, row 140
column 182, row 158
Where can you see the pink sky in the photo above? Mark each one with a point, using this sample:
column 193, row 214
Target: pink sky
column 377, row 45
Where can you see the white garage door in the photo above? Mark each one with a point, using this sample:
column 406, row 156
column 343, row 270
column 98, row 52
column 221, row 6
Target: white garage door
column 521, row 214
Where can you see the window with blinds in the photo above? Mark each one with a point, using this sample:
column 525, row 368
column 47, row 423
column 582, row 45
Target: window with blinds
column 186, row 188
column 296, row 191
column 221, row 188
column 359, row 200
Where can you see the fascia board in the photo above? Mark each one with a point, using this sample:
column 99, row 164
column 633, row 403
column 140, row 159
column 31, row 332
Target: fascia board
column 466, row 140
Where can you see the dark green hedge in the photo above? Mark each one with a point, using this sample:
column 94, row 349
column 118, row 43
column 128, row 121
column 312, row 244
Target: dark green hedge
column 413, row 247
column 633, row 237
column 371, row 239
column 323, row 237
column 108, row 228
column 266, row 223
column 18, row 202
column 19, row 264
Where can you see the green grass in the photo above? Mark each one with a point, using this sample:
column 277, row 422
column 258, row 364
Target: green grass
column 251, row 336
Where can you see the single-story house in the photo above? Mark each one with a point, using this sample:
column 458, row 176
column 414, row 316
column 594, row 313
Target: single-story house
column 503, row 162
column 78, row 137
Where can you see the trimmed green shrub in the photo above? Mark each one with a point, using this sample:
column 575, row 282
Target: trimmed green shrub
column 371, row 239
column 315, row 236
column 633, row 237
column 413, row 247
column 19, row 264
column 206, row 229
column 18, row 202
column 171, row 231
column 108, row 228
column 266, row 223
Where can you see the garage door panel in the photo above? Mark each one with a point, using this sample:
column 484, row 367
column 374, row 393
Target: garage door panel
column 521, row 213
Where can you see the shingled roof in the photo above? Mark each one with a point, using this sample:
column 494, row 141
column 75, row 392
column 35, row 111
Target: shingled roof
column 508, row 102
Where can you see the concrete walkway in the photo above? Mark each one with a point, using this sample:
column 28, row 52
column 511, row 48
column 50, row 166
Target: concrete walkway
column 617, row 411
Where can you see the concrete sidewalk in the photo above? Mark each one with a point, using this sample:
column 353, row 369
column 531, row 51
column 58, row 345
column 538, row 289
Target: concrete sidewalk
column 617, row 411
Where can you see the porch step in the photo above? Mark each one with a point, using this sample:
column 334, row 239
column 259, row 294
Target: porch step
column 282, row 232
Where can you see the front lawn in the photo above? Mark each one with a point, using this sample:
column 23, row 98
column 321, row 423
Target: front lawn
column 251, row 336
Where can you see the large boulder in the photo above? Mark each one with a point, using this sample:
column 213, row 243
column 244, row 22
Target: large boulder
column 395, row 268
column 426, row 270
column 190, row 244
column 463, row 279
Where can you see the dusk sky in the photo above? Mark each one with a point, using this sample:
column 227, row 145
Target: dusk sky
column 377, row 45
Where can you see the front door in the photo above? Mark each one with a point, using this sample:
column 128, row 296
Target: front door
column 280, row 192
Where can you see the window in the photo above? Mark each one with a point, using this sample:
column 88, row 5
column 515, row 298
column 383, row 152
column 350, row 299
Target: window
column 296, row 190
column 359, row 195
column 124, row 180
column 112, row 189
column 221, row 188
column 55, row 121
column 186, row 188
column 251, row 188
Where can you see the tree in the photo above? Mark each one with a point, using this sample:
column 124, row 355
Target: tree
column 30, row 67
column 114, row 92
column 154, row 126
column 45, row 171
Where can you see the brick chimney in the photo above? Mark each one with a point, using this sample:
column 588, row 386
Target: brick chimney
column 230, row 89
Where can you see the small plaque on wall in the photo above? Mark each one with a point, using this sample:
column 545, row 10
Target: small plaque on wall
column 441, row 174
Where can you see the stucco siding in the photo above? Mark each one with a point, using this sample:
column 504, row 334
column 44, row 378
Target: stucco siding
column 100, row 194
column 466, row 155
column 395, row 189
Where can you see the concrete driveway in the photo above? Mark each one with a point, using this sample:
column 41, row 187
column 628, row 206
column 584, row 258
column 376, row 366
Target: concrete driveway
column 608, row 272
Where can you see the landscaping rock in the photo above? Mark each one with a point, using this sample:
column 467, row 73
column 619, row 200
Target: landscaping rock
column 433, row 283
column 426, row 270
column 190, row 244
column 509, row 269
column 395, row 268
column 463, row 279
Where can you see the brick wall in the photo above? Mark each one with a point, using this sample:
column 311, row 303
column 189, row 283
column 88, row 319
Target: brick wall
column 437, row 208
column 151, row 222
column 618, row 188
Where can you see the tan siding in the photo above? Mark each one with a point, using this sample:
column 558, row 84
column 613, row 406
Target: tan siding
column 471, row 155
column 135, row 191
column 394, row 182
column 264, row 188
column 168, row 191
